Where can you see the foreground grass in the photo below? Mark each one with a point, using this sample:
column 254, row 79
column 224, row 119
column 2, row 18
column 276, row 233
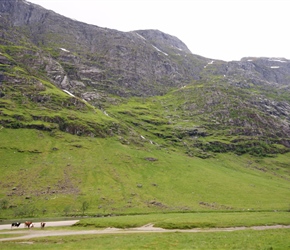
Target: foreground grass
column 192, row 220
column 10, row 235
column 248, row 239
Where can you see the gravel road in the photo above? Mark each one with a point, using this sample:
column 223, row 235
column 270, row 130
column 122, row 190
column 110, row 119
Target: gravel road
column 37, row 224
column 32, row 233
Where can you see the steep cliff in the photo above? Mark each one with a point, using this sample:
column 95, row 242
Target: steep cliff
column 123, row 63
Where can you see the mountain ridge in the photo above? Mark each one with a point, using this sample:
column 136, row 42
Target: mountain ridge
column 105, row 47
column 106, row 67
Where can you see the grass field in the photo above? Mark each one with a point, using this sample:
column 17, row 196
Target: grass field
column 9, row 235
column 191, row 220
column 277, row 239
column 44, row 175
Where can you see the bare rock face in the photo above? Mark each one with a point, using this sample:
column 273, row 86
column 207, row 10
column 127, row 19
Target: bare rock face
column 21, row 12
column 162, row 40
column 259, row 70
column 55, row 72
column 82, row 57
column 124, row 63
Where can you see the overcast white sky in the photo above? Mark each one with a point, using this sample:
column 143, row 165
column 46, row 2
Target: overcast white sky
column 217, row 29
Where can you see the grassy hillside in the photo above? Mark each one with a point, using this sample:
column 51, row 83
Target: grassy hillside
column 44, row 174
column 62, row 156
column 204, row 118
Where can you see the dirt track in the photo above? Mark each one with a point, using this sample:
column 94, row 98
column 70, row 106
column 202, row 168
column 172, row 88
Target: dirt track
column 48, row 224
column 32, row 233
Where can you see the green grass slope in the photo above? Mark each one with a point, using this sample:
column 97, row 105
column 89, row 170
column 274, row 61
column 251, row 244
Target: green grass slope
column 61, row 156
column 44, row 174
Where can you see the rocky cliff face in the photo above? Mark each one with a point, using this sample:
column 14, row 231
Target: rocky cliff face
column 100, row 66
column 145, row 62
column 124, row 63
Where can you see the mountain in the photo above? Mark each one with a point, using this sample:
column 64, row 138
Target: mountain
column 249, row 98
column 123, row 63
column 79, row 99
column 105, row 67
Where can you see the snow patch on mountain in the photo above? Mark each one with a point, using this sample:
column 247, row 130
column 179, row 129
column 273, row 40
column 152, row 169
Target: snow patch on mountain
column 159, row 50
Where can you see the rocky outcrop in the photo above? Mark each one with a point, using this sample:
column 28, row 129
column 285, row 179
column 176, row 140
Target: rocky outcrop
column 274, row 70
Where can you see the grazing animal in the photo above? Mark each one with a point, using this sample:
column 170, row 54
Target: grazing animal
column 42, row 224
column 15, row 224
column 27, row 224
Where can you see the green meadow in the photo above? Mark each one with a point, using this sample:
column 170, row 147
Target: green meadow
column 190, row 220
column 243, row 240
column 55, row 175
